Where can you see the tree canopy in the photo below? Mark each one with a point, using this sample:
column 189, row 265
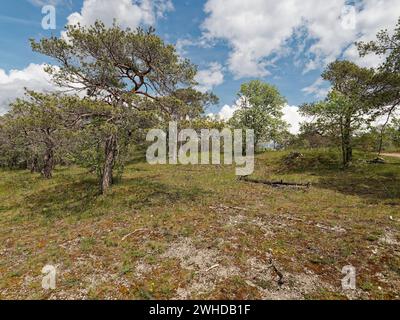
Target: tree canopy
column 346, row 108
column 114, row 63
column 260, row 110
column 133, row 71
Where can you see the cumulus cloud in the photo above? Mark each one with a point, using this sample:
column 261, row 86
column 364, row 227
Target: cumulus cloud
column 259, row 30
column 127, row 13
column 293, row 117
column 13, row 84
column 227, row 112
column 210, row 78
column 319, row 89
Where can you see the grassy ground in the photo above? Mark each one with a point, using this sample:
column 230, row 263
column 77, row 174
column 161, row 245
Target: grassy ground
column 167, row 232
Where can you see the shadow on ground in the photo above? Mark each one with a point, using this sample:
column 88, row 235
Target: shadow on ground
column 148, row 192
column 371, row 186
column 81, row 198
column 62, row 200
column 369, row 183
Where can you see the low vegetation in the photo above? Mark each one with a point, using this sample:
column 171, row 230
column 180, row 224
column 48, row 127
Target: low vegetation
column 198, row 232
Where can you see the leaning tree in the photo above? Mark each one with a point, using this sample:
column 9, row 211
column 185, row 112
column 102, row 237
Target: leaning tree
column 119, row 67
column 385, row 92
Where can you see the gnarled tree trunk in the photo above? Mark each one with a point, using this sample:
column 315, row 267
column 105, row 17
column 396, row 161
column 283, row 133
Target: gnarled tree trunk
column 48, row 163
column 110, row 155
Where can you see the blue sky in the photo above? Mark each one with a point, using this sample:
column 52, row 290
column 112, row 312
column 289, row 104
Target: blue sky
column 286, row 43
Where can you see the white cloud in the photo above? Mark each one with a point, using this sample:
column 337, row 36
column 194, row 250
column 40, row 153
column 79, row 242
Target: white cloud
column 293, row 117
column 210, row 78
column 128, row 13
column 13, row 84
column 371, row 60
column 182, row 43
column 258, row 30
column 382, row 119
column 319, row 89
column 227, row 112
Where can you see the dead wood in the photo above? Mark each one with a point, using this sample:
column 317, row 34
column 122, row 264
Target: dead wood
column 377, row 160
column 276, row 183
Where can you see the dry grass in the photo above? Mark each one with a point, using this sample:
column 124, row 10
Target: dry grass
column 170, row 232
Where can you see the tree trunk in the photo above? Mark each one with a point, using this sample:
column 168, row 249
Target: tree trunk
column 349, row 153
column 110, row 155
column 34, row 164
column 346, row 145
column 384, row 127
column 48, row 164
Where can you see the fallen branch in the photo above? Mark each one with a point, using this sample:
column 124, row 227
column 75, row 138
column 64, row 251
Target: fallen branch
column 132, row 233
column 276, row 183
column 377, row 160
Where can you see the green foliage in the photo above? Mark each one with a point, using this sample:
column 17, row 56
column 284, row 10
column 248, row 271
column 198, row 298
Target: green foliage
column 346, row 108
column 371, row 139
column 311, row 136
column 386, row 84
column 386, row 45
column 13, row 152
column 331, row 114
column 394, row 132
column 36, row 129
column 70, row 130
column 184, row 104
column 261, row 110
column 114, row 63
column 94, row 122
